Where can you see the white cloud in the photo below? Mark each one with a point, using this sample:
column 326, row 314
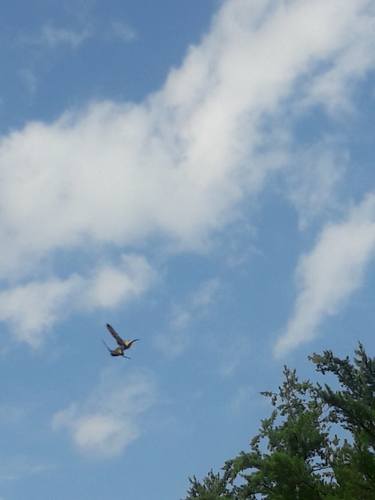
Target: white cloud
column 333, row 87
column 330, row 273
column 33, row 308
column 111, row 285
column 177, row 165
column 109, row 420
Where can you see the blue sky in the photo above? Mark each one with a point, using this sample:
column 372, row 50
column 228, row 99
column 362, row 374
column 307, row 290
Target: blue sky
column 200, row 175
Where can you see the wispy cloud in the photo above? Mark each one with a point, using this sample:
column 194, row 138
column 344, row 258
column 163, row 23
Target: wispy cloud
column 31, row 309
column 177, row 338
column 123, row 31
column 315, row 175
column 29, row 79
column 233, row 353
column 205, row 294
column 16, row 468
column 330, row 273
column 51, row 36
column 243, row 400
column 109, row 420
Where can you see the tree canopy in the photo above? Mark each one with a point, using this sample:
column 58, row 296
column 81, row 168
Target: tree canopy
column 318, row 442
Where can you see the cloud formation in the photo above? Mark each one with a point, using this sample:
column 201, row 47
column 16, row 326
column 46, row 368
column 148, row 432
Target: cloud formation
column 31, row 309
column 178, row 165
column 330, row 273
column 107, row 422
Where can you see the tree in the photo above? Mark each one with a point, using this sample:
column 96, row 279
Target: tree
column 213, row 487
column 296, row 454
column 352, row 407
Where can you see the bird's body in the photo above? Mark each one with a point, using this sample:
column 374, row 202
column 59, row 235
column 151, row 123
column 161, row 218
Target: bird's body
column 123, row 344
column 116, row 352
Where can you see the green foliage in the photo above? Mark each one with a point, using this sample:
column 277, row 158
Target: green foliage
column 212, row 488
column 353, row 407
column 296, row 454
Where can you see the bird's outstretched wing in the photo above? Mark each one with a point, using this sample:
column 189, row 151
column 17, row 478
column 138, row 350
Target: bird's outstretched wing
column 116, row 336
column 109, row 349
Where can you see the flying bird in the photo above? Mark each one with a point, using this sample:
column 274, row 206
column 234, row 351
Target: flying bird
column 123, row 344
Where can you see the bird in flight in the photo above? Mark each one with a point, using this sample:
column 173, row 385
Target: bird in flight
column 123, row 344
